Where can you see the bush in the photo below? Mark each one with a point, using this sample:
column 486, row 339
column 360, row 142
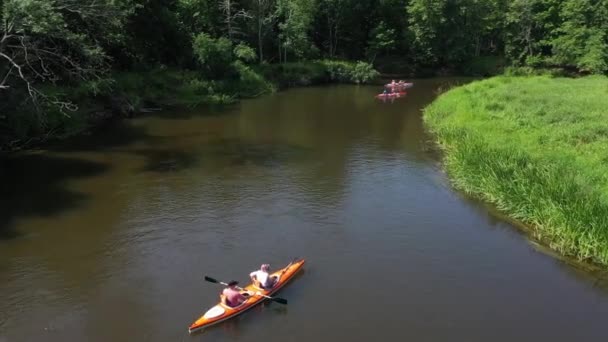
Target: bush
column 363, row 73
column 293, row 74
column 251, row 83
column 245, row 53
column 337, row 70
column 348, row 72
column 484, row 66
column 214, row 55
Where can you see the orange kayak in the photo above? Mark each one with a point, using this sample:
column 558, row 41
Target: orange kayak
column 221, row 312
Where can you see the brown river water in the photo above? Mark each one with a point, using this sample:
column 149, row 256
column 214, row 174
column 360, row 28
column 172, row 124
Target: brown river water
column 108, row 237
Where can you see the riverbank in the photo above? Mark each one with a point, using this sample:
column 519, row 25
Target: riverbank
column 536, row 148
column 126, row 94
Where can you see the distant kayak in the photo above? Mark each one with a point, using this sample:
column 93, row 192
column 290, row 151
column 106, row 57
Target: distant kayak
column 391, row 95
column 399, row 86
column 221, row 312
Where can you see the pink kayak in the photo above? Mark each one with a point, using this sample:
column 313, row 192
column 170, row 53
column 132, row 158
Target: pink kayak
column 391, row 95
column 399, row 86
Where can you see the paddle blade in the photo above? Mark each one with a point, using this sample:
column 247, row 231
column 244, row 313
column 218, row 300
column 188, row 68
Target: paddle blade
column 211, row 280
column 280, row 300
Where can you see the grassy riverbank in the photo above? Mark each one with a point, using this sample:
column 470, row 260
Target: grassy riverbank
column 126, row 94
column 536, row 147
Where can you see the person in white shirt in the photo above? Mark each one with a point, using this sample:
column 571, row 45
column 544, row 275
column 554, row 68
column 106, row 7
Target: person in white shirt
column 261, row 278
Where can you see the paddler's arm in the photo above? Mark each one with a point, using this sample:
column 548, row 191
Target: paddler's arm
column 254, row 279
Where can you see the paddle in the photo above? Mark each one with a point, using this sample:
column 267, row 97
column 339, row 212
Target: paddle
column 287, row 267
column 274, row 299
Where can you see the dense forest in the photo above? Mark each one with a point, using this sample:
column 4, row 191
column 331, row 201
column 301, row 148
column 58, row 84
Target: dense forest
column 49, row 44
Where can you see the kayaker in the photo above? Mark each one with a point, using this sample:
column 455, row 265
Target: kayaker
column 261, row 278
column 231, row 296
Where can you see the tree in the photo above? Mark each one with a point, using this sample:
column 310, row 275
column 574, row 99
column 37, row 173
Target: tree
column 582, row 36
column 198, row 16
column 332, row 11
column 264, row 16
column 215, row 55
column 154, row 36
column 530, row 27
column 426, row 20
column 382, row 39
column 51, row 41
column 451, row 32
column 232, row 14
column 296, row 21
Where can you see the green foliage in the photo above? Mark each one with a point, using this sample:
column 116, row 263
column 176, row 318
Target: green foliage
column 338, row 70
column 347, row 72
column 484, row 66
column 294, row 74
column 363, row 72
column 426, row 19
column 74, row 44
column 154, row 35
column 244, row 53
column 215, row 55
column 454, row 31
column 582, row 37
column 566, row 34
column 315, row 72
column 249, row 83
column 382, row 39
column 535, row 147
column 199, row 16
column 297, row 16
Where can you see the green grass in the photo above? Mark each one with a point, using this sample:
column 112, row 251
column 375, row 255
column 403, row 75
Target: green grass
column 536, row 147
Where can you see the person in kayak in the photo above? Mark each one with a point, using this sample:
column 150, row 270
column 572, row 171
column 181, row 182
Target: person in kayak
column 261, row 278
column 231, row 296
column 392, row 86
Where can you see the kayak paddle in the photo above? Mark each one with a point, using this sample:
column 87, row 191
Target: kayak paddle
column 274, row 299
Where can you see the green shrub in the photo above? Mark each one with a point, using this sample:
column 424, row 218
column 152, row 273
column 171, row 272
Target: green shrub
column 250, row 83
column 349, row 72
column 244, row 53
column 215, row 55
column 363, row 73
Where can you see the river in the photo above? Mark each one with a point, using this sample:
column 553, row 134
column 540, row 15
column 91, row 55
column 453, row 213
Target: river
column 107, row 237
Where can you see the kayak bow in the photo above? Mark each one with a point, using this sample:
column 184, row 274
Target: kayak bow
column 221, row 312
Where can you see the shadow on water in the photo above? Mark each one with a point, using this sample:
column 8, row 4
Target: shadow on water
column 112, row 135
column 167, row 160
column 225, row 152
column 207, row 110
column 237, row 152
column 33, row 185
column 584, row 270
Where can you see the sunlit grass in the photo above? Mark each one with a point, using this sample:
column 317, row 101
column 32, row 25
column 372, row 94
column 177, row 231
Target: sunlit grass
column 536, row 147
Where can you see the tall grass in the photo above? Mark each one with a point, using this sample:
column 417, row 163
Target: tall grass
column 536, row 147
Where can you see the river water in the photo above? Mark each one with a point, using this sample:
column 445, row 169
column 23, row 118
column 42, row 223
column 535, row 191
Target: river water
column 108, row 237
